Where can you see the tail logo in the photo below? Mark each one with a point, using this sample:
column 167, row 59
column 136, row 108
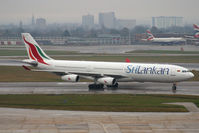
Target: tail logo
column 196, row 35
column 196, row 28
column 35, row 52
column 150, row 35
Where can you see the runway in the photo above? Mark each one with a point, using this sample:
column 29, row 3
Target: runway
column 185, row 88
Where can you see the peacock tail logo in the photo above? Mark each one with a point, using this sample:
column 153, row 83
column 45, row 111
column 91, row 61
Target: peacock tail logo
column 36, row 53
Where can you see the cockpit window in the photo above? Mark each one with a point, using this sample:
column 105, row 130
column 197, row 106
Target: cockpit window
column 185, row 71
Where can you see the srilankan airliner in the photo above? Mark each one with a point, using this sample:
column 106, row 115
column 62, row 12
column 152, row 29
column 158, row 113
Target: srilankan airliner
column 102, row 73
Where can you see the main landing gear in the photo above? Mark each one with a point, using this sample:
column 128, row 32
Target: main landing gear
column 96, row 87
column 100, row 87
column 115, row 86
column 174, row 87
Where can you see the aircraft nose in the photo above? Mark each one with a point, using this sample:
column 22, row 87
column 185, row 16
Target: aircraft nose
column 191, row 75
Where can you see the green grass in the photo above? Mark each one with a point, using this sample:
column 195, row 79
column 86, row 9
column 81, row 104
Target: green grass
column 19, row 74
column 99, row 102
column 196, row 76
column 164, row 52
column 24, row 52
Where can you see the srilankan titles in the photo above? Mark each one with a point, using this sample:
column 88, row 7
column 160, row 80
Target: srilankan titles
column 146, row 70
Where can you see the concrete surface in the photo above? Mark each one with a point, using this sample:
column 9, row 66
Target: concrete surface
column 188, row 88
column 48, row 121
column 191, row 107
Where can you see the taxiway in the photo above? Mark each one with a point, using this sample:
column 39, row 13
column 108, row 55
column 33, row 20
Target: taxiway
column 186, row 88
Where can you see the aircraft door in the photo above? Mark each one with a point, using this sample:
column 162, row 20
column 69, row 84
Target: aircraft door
column 173, row 72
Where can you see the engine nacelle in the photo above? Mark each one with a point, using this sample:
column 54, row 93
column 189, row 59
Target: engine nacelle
column 107, row 81
column 70, row 78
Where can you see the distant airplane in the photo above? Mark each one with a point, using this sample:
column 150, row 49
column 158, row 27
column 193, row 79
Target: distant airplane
column 196, row 28
column 195, row 37
column 170, row 40
column 102, row 73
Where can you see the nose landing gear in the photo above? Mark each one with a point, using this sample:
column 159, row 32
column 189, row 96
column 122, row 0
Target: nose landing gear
column 174, row 87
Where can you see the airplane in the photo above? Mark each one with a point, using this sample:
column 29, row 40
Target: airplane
column 102, row 73
column 196, row 28
column 195, row 37
column 170, row 40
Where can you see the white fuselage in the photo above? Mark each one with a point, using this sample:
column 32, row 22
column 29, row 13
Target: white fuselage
column 168, row 40
column 140, row 72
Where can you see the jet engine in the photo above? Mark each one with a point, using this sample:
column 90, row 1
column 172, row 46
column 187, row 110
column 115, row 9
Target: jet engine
column 70, row 78
column 107, row 81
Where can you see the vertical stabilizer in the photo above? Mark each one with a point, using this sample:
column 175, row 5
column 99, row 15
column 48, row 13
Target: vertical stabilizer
column 150, row 35
column 33, row 49
column 196, row 29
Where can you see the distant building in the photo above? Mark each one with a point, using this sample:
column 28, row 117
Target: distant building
column 20, row 24
column 107, row 20
column 88, row 21
column 33, row 20
column 126, row 23
column 167, row 21
column 40, row 22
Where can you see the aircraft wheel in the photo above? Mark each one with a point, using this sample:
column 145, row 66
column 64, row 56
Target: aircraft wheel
column 113, row 86
column 116, row 85
column 174, row 87
column 96, row 87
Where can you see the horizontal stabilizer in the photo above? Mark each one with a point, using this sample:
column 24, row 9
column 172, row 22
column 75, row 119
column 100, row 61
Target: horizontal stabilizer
column 31, row 62
column 26, row 68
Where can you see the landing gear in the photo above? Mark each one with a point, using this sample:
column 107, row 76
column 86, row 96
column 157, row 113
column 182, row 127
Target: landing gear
column 113, row 86
column 96, row 87
column 174, row 87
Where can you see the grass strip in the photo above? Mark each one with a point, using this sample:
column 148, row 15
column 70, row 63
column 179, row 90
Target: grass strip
column 99, row 102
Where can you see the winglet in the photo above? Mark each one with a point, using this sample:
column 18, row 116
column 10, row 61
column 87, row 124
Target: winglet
column 26, row 68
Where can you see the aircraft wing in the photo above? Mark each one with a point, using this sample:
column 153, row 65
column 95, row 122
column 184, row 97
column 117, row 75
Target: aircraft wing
column 91, row 74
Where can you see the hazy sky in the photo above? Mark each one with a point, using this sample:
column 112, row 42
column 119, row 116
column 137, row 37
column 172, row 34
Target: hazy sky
column 11, row 11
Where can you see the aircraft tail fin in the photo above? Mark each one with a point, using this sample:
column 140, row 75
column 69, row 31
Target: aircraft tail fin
column 196, row 28
column 196, row 35
column 150, row 35
column 33, row 49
